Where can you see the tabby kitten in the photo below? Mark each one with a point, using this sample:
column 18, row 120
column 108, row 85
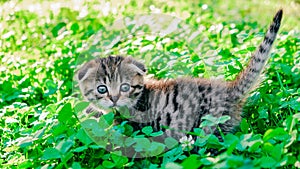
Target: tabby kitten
column 176, row 103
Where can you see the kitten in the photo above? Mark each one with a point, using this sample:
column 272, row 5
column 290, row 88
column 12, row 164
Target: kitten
column 177, row 103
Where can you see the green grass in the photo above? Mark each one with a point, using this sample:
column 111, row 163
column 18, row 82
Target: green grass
column 40, row 48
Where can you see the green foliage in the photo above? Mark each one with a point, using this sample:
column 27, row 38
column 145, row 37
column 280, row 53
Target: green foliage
column 39, row 51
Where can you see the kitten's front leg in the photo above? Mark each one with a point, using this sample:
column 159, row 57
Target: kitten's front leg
column 91, row 113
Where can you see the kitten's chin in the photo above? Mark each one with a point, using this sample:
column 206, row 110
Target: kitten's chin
column 112, row 105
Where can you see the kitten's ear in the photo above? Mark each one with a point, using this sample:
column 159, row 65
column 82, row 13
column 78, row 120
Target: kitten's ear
column 135, row 65
column 86, row 70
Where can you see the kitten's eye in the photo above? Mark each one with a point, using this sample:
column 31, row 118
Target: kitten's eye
column 102, row 89
column 125, row 87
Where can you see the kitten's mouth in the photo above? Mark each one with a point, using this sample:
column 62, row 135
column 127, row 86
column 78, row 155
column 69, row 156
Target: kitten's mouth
column 114, row 105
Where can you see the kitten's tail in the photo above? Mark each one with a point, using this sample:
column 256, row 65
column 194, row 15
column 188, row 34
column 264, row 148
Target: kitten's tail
column 249, row 76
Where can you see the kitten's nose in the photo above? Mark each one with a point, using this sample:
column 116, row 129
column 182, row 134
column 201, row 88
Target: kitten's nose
column 114, row 98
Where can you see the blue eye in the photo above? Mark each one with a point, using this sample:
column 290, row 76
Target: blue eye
column 102, row 89
column 125, row 87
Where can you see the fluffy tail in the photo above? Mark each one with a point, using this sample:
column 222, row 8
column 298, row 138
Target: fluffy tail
column 249, row 76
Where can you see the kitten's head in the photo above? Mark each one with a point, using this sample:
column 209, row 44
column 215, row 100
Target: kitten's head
column 112, row 81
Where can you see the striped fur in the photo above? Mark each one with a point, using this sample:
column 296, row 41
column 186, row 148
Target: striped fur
column 177, row 103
